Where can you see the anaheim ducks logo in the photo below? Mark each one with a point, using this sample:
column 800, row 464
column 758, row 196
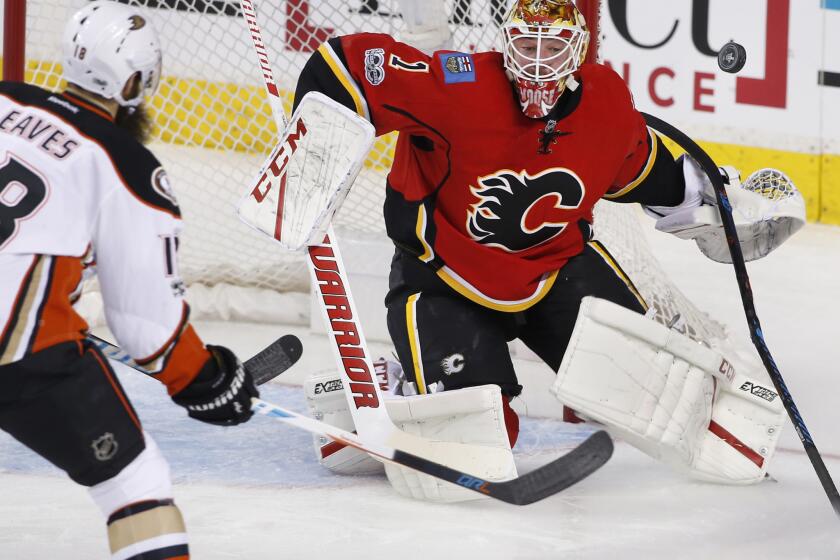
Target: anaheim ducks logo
column 516, row 211
column 137, row 22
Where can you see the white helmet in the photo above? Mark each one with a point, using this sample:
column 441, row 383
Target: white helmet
column 105, row 43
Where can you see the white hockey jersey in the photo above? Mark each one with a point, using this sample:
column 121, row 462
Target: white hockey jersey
column 76, row 190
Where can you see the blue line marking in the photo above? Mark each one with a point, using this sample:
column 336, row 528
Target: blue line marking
column 831, row 4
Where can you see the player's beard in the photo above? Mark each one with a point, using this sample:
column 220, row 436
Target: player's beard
column 137, row 122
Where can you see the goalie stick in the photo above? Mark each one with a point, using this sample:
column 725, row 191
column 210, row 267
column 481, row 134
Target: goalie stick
column 334, row 297
column 536, row 485
column 264, row 366
column 756, row 333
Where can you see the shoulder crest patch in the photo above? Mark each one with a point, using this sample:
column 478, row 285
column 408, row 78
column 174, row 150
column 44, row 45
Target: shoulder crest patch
column 162, row 186
column 458, row 68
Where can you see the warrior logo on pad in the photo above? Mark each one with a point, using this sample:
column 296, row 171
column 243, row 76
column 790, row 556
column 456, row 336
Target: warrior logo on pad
column 516, row 211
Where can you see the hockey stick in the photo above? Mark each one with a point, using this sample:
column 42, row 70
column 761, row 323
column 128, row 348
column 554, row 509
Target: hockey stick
column 541, row 483
column 527, row 489
column 329, row 278
column 264, row 366
column 757, row 335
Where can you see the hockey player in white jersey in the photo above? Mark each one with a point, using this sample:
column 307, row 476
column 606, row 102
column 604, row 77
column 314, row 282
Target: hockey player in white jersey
column 77, row 189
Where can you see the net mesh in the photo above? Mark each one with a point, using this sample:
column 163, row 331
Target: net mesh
column 214, row 129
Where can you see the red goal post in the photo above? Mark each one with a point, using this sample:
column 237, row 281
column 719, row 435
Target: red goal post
column 14, row 28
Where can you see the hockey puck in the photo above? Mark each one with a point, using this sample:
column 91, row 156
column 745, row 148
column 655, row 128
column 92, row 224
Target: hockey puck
column 732, row 57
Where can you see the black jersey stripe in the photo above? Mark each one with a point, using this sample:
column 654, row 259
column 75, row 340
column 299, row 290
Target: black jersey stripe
column 323, row 76
column 612, row 263
column 133, row 163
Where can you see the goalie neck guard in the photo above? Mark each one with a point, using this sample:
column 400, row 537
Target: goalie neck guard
column 544, row 43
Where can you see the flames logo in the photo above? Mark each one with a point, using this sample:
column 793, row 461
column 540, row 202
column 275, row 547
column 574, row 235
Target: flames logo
column 516, row 211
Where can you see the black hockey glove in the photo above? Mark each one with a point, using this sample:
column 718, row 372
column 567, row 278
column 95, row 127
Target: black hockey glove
column 221, row 392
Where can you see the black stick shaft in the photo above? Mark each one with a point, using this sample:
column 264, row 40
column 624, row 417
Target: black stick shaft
column 757, row 335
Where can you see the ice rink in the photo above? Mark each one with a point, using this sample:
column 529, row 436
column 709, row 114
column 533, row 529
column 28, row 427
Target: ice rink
column 256, row 491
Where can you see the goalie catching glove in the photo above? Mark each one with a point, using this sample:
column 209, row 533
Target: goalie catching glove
column 767, row 209
column 221, row 392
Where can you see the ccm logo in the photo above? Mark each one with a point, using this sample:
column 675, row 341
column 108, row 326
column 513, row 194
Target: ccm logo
column 279, row 161
column 727, row 370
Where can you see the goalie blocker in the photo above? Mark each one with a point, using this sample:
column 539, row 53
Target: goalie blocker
column 308, row 174
column 671, row 397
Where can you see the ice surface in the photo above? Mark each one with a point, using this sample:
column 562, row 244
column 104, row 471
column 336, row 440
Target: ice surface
column 256, row 491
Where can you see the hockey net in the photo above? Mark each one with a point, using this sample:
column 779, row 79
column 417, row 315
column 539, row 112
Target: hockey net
column 214, row 128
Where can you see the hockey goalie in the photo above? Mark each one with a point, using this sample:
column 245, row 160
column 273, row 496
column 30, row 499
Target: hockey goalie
column 500, row 160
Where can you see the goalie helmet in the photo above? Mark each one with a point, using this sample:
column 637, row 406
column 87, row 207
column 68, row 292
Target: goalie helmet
column 105, row 44
column 544, row 42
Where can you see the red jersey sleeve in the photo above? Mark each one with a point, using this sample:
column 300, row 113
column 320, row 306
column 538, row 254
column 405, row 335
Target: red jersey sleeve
column 375, row 76
column 641, row 145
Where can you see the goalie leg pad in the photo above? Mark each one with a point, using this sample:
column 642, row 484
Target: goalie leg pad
column 747, row 420
column 672, row 398
column 474, row 415
column 327, row 402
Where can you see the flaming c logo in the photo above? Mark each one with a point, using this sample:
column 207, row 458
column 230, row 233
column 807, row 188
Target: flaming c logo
column 516, row 211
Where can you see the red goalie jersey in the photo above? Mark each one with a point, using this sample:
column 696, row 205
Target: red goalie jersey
column 493, row 201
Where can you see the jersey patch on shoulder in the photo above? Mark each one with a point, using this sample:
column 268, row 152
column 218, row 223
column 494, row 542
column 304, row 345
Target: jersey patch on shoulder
column 375, row 66
column 458, row 68
column 162, row 186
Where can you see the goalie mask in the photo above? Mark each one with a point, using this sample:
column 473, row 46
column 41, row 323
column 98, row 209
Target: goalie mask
column 105, row 44
column 544, row 42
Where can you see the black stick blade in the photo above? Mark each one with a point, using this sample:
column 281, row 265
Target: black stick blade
column 275, row 358
column 541, row 483
column 561, row 473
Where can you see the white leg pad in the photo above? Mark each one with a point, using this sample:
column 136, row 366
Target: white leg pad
column 327, row 402
column 473, row 415
column 667, row 395
column 747, row 419
column 145, row 478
